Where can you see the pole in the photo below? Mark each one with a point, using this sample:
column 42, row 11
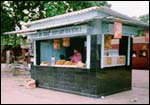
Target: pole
column 15, row 49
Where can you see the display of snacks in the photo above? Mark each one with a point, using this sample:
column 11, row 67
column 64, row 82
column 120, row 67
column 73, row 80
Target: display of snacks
column 120, row 60
column 107, row 42
column 60, row 62
column 63, row 63
column 44, row 63
column 74, row 66
column 68, row 63
column 114, row 61
column 109, row 61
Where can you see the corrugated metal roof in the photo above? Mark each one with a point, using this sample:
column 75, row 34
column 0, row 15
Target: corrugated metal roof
column 121, row 16
column 101, row 9
column 129, row 22
column 32, row 30
column 63, row 15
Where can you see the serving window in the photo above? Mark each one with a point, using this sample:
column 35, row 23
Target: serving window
column 59, row 52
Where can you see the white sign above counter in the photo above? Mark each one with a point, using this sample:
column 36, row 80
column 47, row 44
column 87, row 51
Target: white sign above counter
column 60, row 32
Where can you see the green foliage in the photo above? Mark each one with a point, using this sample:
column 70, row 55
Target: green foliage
column 140, row 33
column 144, row 18
column 13, row 12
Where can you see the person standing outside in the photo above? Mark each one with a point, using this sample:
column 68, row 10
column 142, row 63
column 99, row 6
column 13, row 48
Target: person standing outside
column 8, row 56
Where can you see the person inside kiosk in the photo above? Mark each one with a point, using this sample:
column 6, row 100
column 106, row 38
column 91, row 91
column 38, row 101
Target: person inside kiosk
column 63, row 52
column 77, row 57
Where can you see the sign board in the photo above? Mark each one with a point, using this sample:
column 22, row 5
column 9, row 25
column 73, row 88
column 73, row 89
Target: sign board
column 118, row 29
column 147, row 36
column 60, row 32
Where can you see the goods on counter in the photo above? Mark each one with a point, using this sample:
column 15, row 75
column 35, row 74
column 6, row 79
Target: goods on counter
column 68, row 63
column 107, row 44
column 44, row 63
column 60, row 62
column 63, row 63
column 66, row 42
column 30, row 84
column 56, row 44
column 80, row 64
column 53, row 60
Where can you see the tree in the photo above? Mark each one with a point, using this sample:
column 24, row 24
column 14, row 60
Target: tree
column 144, row 18
column 15, row 12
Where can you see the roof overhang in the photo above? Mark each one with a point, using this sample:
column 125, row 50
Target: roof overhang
column 33, row 30
column 105, row 19
column 126, row 22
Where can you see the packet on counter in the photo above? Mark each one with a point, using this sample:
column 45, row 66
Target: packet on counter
column 60, row 62
column 80, row 64
column 44, row 63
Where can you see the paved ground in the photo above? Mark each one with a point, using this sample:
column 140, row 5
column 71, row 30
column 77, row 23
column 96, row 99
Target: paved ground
column 13, row 92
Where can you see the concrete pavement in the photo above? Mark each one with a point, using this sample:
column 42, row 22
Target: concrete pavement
column 13, row 92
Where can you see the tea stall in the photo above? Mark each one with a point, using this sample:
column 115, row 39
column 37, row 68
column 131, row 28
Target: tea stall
column 101, row 71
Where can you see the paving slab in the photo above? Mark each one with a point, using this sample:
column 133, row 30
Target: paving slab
column 13, row 92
